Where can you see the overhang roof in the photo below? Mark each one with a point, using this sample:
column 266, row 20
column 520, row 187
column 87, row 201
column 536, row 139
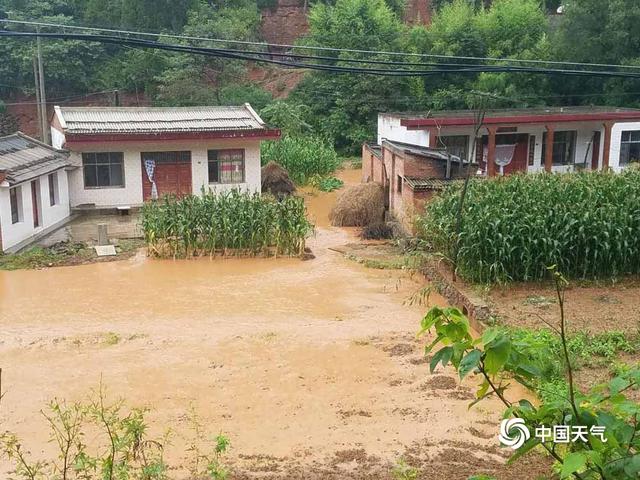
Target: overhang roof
column 158, row 120
column 23, row 158
column 423, row 184
column 516, row 116
column 417, row 150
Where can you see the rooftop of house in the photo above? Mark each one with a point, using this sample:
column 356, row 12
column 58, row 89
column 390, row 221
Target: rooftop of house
column 23, row 158
column 517, row 115
column 149, row 120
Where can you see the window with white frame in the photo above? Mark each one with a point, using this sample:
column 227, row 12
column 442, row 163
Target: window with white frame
column 630, row 147
column 54, row 192
column 226, row 166
column 15, row 199
column 103, row 169
column 564, row 147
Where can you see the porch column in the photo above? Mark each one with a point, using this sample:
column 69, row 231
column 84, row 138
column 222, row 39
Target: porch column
column 548, row 153
column 606, row 145
column 491, row 152
column 433, row 137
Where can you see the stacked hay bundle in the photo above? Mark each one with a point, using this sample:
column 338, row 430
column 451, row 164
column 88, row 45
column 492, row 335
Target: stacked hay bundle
column 276, row 181
column 359, row 206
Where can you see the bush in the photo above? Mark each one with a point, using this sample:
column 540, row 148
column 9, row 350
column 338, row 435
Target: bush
column 587, row 224
column 326, row 184
column 230, row 223
column 303, row 157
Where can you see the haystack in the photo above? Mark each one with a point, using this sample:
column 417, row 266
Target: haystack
column 358, row 206
column 276, row 181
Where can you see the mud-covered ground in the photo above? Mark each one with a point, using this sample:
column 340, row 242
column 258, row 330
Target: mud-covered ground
column 311, row 368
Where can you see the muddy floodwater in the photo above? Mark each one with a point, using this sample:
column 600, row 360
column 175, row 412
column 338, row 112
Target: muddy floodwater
column 311, row 368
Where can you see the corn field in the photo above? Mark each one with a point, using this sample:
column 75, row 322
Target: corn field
column 231, row 223
column 513, row 228
column 303, row 157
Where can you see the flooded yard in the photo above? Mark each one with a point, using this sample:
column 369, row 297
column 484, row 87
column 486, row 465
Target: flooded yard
column 311, row 368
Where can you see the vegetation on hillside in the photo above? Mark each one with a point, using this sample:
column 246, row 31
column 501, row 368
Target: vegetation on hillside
column 339, row 107
column 514, row 227
column 228, row 223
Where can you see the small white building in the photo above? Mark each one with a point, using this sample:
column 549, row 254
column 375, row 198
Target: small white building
column 127, row 155
column 34, row 194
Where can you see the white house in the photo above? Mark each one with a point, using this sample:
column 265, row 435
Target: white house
column 556, row 139
column 127, row 155
column 416, row 152
column 34, row 194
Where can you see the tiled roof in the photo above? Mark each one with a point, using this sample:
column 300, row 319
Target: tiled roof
column 510, row 112
column 23, row 158
column 113, row 120
column 421, row 184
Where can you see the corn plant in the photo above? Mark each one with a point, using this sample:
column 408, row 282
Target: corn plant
column 302, row 156
column 588, row 224
column 231, row 223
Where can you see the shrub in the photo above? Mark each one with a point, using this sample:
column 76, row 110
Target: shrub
column 303, row 157
column 231, row 223
column 326, row 184
column 513, row 228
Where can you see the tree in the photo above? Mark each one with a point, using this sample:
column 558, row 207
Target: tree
column 344, row 106
column 599, row 31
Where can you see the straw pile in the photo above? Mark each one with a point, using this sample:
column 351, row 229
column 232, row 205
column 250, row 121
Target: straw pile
column 359, row 206
column 276, row 181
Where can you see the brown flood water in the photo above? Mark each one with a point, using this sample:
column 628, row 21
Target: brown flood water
column 311, row 368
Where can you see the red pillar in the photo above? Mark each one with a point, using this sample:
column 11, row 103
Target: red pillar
column 548, row 154
column 491, row 152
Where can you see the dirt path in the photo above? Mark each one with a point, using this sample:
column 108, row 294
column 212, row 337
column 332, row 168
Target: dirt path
column 311, row 368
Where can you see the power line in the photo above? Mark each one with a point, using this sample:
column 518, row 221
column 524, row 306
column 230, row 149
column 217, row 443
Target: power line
column 250, row 56
column 320, row 48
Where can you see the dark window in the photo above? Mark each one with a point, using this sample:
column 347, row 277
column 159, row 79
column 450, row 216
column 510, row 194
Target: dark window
column 630, row 147
column 15, row 195
column 564, row 147
column 54, row 195
column 226, row 166
column 103, row 170
column 457, row 145
column 399, row 188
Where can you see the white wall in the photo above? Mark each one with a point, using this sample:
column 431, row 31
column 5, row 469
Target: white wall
column 389, row 128
column 14, row 233
column 616, row 138
column 131, row 193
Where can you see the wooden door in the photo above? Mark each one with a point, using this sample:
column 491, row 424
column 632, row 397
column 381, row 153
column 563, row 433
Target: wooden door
column 595, row 151
column 172, row 174
column 520, row 155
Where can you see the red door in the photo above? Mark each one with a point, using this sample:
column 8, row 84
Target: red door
column 172, row 174
column 520, row 155
column 595, row 151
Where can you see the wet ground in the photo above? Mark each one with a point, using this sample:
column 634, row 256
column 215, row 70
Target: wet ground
column 311, row 368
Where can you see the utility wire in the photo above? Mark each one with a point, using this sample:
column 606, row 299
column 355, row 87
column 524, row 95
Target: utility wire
column 250, row 56
column 319, row 48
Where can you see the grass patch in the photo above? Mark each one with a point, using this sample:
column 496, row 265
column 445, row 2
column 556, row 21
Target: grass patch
column 543, row 348
column 61, row 254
